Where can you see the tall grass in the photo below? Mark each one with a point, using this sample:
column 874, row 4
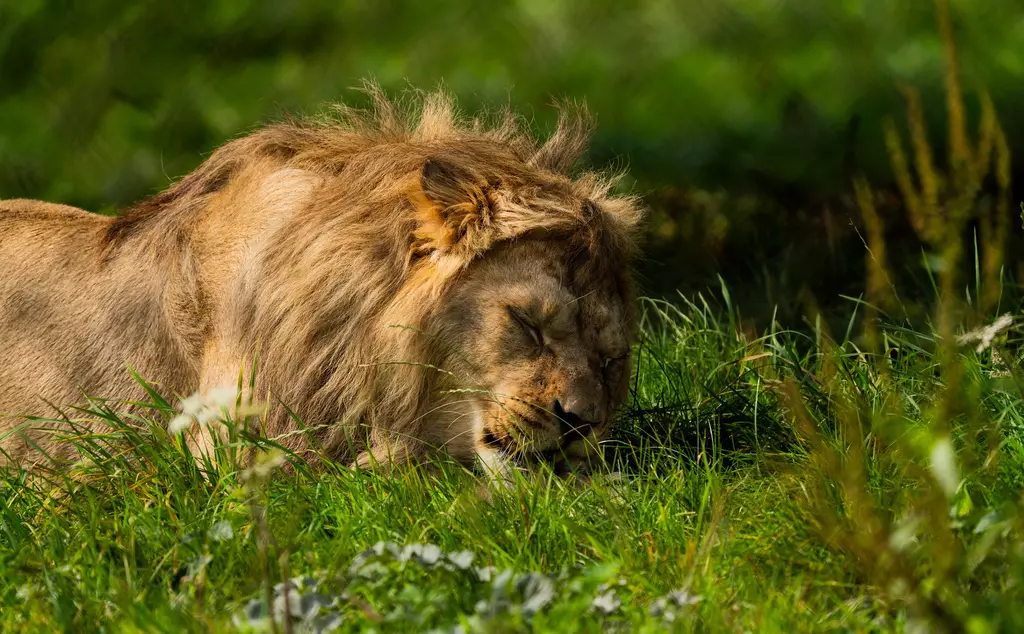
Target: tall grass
column 908, row 485
column 783, row 482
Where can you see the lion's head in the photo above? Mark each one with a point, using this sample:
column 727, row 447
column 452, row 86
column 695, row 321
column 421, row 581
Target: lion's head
column 535, row 329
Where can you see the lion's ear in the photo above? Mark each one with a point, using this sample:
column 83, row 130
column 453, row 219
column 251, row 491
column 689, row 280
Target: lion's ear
column 444, row 183
column 454, row 211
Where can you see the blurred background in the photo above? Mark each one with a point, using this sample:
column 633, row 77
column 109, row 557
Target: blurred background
column 742, row 122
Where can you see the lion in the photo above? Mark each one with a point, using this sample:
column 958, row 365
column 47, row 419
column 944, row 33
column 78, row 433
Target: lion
column 411, row 282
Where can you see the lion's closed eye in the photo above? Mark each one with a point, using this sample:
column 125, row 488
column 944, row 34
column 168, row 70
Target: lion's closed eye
column 526, row 325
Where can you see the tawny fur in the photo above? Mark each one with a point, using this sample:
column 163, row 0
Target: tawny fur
column 332, row 248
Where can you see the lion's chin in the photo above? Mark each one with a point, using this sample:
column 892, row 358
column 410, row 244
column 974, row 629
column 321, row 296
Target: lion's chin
column 500, row 455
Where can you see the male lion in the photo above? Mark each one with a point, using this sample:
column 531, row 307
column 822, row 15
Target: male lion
column 411, row 282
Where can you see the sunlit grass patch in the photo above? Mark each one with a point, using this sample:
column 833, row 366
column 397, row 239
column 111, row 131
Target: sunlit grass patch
column 721, row 509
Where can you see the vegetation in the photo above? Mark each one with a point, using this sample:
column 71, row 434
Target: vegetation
column 855, row 474
column 741, row 121
column 818, row 488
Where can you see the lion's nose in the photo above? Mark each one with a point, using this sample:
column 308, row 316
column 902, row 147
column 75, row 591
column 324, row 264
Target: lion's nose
column 571, row 424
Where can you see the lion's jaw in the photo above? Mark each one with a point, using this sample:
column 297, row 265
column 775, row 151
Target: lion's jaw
column 542, row 354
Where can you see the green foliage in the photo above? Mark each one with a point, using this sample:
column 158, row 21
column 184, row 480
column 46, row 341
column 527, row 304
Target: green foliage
column 741, row 121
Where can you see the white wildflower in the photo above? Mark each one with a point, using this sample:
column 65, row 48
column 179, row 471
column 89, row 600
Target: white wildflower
column 203, row 408
column 221, row 531
column 999, row 368
column 179, row 424
column 293, row 600
column 672, row 605
column 904, row 534
column 264, row 464
column 986, row 334
column 607, row 602
column 538, row 591
column 208, row 415
column 192, row 404
column 943, row 466
column 683, row 597
column 221, row 397
column 462, row 559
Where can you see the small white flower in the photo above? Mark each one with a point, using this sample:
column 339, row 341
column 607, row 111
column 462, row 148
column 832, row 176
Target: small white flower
column 462, row 559
column 607, row 602
column 986, row 334
column 264, row 464
column 293, row 600
column 943, row 466
column 999, row 368
column 671, row 606
column 193, row 404
column 683, row 597
column 221, row 397
column 208, row 415
column 179, row 424
column 203, row 408
column 221, row 531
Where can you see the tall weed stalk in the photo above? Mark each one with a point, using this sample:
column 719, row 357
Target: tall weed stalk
column 908, row 487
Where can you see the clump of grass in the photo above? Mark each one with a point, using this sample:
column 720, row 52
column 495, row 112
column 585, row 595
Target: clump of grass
column 908, row 482
column 143, row 534
column 677, row 536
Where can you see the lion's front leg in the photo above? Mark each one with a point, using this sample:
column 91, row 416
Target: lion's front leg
column 497, row 468
column 224, row 370
column 386, row 455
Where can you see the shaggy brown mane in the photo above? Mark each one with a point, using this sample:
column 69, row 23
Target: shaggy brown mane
column 330, row 144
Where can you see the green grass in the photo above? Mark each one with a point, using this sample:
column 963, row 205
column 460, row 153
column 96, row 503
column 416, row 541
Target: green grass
column 785, row 480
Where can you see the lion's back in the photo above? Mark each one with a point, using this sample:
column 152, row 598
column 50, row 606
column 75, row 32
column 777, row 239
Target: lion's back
column 45, row 246
column 29, row 207
column 48, row 256
column 33, row 228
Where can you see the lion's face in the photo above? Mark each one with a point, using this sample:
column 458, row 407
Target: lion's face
column 545, row 348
